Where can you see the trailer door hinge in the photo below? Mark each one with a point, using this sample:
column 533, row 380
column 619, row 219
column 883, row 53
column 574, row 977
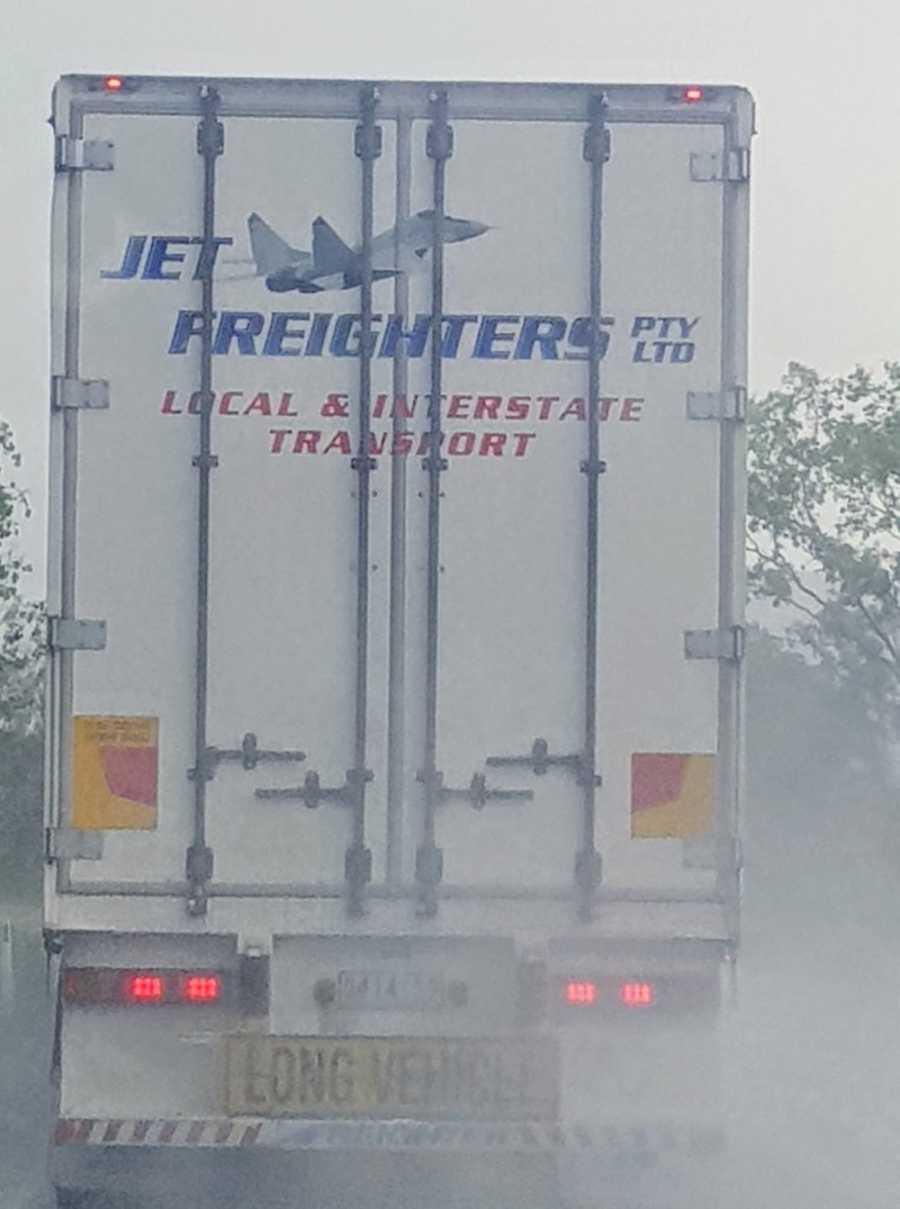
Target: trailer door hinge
column 84, row 155
column 727, row 643
column 717, row 405
column 91, row 394
column 69, row 634
column 69, row 844
column 731, row 165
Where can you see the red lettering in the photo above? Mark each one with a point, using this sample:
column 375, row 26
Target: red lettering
column 168, row 404
column 284, row 407
column 518, row 407
column 458, row 408
column 224, row 408
column 194, row 403
column 279, row 436
column 336, row 405
column 405, row 410
column 606, row 406
column 546, row 402
column 461, row 444
column 403, row 443
column 631, row 409
column 380, row 405
column 260, row 404
column 340, row 442
column 575, row 408
column 521, row 440
column 492, row 442
column 487, row 407
column 377, row 444
column 306, row 441
column 425, row 443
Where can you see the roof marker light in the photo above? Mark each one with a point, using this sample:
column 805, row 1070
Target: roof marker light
column 113, row 83
column 692, row 94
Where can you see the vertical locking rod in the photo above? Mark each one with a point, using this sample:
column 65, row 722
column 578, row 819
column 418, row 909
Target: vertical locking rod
column 396, row 763
column 199, row 864
column 429, row 864
column 596, row 152
column 358, row 858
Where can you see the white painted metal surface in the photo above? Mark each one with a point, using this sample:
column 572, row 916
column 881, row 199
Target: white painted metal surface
column 283, row 521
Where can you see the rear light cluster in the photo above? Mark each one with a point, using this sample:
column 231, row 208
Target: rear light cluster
column 584, row 992
column 134, row 987
column 686, row 993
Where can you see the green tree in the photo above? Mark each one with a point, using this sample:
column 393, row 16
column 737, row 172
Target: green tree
column 21, row 672
column 824, row 524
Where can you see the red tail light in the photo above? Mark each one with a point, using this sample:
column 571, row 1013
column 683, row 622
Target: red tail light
column 110, row 987
column 201, row 988
column 637, row 994
column 145, row 988
column 580, row 993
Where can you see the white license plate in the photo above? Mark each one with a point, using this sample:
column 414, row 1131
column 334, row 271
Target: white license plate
column 383, row 990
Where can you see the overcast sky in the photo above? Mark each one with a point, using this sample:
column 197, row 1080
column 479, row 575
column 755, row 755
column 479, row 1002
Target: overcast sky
column 826, row 175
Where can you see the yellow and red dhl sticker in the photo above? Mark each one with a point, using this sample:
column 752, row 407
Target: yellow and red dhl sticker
column 115, row 773
column 672, row 795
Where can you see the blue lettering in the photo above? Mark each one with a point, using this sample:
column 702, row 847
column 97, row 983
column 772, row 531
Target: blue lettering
column 240, row 326
column 683, row 351
column 454, row 325
column 346, row 339
column 280, row 330
column 416, row 337
column 207, row 259
column 642, row 323
column 159, row 255
column 543, row 330
column 188, row 323
column 580, row 338
column 315, row 341
column 131, row 258
column 489, row 335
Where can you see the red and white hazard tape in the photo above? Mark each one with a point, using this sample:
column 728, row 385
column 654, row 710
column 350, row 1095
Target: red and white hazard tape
column 632, row 1144
column 110, row 1132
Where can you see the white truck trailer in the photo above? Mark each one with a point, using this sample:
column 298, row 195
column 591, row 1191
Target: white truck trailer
column 394, row 712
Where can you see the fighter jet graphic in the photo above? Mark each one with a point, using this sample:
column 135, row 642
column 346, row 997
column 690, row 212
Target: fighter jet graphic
column 335, row 265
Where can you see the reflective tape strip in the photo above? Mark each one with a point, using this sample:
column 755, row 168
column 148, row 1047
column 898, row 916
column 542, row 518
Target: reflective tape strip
column 214, row 1132
column 630, row 1144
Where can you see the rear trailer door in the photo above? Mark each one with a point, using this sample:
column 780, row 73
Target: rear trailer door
column 478, row 662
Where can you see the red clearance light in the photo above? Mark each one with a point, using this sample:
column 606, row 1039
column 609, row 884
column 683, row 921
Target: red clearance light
column 637, row 994
column 145, row 988
column 201, row 988
column 580, row 993
column 692, row 94
column 113, row 84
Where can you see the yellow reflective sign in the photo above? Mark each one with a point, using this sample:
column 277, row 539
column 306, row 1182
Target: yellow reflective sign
column 429, row 1078
column 672, row 795
column 115, row 763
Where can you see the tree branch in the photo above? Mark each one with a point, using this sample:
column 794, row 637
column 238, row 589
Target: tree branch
column 885, row 638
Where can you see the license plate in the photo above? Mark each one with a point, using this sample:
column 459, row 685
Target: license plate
column 386, row 990
column 426, row 1078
